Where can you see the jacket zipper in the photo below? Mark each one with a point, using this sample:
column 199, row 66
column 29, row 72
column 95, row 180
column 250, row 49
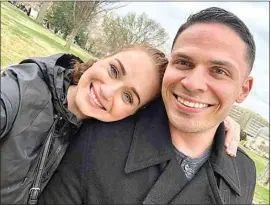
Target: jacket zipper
column 35, row 190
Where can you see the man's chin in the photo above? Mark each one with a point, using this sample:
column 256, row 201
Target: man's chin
column 188, row 125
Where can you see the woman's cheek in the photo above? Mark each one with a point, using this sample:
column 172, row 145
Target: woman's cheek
column 120, row 109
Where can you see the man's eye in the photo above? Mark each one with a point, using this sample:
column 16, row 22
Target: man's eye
column 114, row 72
column 127, row 97
column 219, row 71
column 183, row 62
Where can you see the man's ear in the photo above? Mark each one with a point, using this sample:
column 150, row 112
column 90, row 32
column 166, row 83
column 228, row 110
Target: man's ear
column 245, row 90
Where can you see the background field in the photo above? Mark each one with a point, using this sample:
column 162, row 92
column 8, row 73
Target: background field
column 22, row 38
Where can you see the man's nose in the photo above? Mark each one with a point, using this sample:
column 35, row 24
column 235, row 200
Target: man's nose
column 109, row 90
column 195, row 80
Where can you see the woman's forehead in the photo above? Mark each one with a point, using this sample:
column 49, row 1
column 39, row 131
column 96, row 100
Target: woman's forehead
column 135, row 62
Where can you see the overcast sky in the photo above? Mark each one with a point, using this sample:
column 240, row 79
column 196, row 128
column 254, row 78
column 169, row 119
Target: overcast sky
column 255, row 15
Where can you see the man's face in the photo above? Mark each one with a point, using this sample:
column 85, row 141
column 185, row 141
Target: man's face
column 206, row 74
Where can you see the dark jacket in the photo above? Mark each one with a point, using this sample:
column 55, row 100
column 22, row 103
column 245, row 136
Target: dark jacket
column 132, row 162
column 33, row 98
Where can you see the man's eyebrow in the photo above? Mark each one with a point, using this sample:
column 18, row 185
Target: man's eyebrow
column 136, row 93
column 216, row 62
column 121, row 66
column 221, row 62
column 182, row 55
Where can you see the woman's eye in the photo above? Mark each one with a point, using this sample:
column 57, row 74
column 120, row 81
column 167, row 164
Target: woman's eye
column 114, row 72
column 128, row 97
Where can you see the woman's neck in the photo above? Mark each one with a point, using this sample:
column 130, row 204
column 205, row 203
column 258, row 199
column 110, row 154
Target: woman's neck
column 72, row 106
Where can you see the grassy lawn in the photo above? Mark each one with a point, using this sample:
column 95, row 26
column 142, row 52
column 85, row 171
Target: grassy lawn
column 261, row 195
column 22, row 37
column 259, row 161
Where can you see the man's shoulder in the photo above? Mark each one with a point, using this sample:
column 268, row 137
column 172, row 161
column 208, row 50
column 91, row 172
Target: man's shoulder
column 244, row 160
column 151, row 112
column 145, row 120
column 243, row 154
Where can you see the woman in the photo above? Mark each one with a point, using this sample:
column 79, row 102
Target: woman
column 43, row 101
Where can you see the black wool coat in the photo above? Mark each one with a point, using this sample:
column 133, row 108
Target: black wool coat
column 132, row 162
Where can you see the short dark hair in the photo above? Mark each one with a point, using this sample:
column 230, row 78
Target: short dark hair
column 218, row 15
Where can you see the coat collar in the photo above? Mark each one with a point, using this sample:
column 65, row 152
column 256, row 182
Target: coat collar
column 151, row 142
column 223, row 164
column 152, row 145
column 57, row 71
column 62, row 77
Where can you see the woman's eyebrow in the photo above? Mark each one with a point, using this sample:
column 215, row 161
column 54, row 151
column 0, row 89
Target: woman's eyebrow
column 121, row 66
column 136, row 93
column 124, row 73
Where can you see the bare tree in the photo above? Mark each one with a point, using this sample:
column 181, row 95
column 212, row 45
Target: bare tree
column 44, row 6
column 130, row 29
column 85, row 11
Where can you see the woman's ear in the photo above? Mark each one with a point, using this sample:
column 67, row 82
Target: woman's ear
column 245, row 89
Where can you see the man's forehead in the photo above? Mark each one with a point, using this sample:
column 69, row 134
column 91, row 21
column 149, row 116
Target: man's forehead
column 211, row 36
column 209, row 33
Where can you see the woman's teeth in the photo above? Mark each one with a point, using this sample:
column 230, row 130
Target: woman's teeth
column 191, row 104
column 94, row 98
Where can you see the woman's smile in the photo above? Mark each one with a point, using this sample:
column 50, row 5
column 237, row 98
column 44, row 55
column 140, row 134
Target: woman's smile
column 94, row 98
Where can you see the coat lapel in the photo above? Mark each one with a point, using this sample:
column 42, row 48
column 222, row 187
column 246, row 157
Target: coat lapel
column 224, row 165
column 168, row 185
column 199, row 190
column 151, row 143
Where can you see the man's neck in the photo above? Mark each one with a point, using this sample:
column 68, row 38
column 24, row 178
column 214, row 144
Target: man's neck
column 192, row 144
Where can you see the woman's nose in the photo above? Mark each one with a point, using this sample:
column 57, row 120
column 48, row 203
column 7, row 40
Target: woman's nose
column 109, row 90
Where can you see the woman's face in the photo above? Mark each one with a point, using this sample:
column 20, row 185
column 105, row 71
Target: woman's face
column 117, row 86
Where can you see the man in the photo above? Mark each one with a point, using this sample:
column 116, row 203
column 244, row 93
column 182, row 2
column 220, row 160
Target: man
column 172, row 154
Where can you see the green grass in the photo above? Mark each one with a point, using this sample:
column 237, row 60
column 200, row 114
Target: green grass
column 22, row 37
column 260, row 162
column 261, row 195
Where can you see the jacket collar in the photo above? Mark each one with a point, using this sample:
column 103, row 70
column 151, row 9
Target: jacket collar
column 62, row 77
column 223, row 164
column 56, row 71
column 151, row 141
column 152, row 145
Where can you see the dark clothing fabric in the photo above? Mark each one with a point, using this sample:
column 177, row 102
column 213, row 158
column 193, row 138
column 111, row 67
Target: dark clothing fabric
column 33, row 95
column 132, row 161
column 189, row 165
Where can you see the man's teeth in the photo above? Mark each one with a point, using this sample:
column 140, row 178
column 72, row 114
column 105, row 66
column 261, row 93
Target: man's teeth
column 94, row 98
column 191, row 104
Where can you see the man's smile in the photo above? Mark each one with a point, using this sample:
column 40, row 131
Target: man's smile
column 189, row 104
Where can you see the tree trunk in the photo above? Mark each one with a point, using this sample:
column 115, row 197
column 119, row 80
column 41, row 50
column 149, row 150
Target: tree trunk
column 42, row 11
column 264, row 178
column 70, row 38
